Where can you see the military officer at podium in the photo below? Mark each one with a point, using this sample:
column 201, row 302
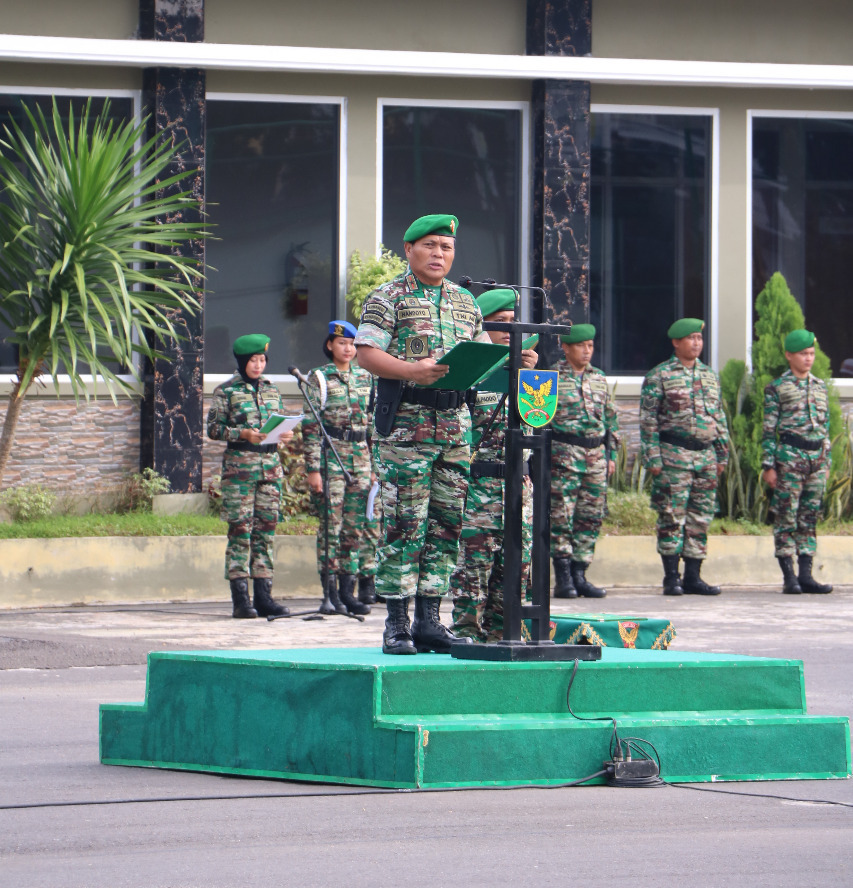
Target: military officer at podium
column 422, row 440
column 585, row 435
column 684, row 443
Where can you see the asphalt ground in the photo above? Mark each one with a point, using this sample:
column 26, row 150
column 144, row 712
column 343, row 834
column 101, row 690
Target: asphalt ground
column 67, row 820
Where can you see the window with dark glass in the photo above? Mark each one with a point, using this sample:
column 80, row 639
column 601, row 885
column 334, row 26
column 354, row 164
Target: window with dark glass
column 650, row 199
column 463, row 161
column 11, row 108
column 272, row 186
column 802, row 222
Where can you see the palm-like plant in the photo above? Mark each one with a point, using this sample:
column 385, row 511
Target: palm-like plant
column 82, row 212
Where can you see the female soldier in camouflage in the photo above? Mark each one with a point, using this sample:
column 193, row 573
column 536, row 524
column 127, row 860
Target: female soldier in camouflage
column 251, row 477
column 341, row 393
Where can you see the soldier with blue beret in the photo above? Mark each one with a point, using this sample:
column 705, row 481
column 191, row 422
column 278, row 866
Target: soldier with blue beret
column 796, row 459
column 341, row 391
column 251, row 477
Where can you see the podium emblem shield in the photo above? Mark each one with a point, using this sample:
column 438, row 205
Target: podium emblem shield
column 537, row 396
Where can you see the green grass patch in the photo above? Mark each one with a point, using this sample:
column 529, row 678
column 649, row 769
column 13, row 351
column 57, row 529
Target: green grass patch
column 141, row 524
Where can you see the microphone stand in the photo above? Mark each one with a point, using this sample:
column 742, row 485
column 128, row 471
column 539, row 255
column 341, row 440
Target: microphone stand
column 325, row 608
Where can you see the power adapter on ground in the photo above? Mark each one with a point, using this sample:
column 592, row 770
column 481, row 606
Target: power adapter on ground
column 632, row 772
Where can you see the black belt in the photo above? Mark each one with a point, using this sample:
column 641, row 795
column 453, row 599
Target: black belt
column 438, row 399
column 577, row 440
column 247, row 447
column 793, row 440
column 346, row 434
column 686, row 443
column 484, row 468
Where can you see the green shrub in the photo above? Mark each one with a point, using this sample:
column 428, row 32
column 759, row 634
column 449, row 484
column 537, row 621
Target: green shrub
column 28, row 502
column 366, row 273
column 629, row 513
column 139, row 489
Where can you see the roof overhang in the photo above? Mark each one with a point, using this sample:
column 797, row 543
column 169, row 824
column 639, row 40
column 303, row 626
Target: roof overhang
column 309, row 59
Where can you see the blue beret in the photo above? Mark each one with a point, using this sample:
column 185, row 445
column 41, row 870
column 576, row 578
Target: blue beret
column 342, row 328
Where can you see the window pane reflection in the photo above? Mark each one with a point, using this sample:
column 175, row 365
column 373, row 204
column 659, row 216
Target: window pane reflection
column 272, row 191
column 464, row 161
column 650, row 211
column 802, row 223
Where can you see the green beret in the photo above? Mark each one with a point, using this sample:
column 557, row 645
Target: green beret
column 251, row 344
column 797, row 340
column 438, row 223
column 496, row 300
column 580, row 333
column 684, row 327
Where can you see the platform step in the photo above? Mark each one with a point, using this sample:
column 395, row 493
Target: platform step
column 357, row 716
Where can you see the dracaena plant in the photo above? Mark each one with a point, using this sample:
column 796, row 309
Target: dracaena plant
column 91, row 231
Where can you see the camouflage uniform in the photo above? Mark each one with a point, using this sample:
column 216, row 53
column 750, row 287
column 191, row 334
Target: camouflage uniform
column 423, row 464
column 478, row 581
column 345, row 414
column 682, row 404
column 251, row 475
column 796, row 409
column 578, row 473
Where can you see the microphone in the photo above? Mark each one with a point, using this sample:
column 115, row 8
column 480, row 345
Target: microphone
column 301, row 377
column 466, row 282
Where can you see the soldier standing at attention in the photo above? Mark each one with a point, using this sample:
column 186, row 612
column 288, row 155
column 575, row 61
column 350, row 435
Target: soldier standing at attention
column 684, row 443
column 477, row 583
column 796, row 458
column 422, row 440
column 341, row 394
column 585, row 435
column 251, row 477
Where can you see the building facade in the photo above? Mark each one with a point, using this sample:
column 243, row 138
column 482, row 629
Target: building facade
column 640, row 161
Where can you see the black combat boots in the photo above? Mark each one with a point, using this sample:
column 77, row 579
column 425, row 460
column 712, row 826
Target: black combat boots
column 671, row 579
column 366, row 590
column 428, row 634
column 693, row 584
column 346, row 587
column 563, row 585
column 790, row 585
column 264, row 603
column 243, row 609
column 330, row 604
column 397, row 637
column 807, row 582
column 582, row 585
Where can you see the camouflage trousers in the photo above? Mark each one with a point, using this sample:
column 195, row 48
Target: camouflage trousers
column 252, row 510
column 423, row 495
column 578, row 498
column 352, row 537
column 685, row 499
column 800, row 484
column 477, row 584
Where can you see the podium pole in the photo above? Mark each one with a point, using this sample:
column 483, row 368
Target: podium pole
column 512, row 647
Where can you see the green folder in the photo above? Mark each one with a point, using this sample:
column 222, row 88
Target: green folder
column 499, row 380
column 470, row 362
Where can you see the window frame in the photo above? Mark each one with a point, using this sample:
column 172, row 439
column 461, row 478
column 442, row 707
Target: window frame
column 525, row 171
column 844, row 385
column 62, row 381
column 633, row 383
column 286, row 381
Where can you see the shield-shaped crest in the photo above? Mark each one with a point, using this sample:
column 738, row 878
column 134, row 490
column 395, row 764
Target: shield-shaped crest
column 537, row 396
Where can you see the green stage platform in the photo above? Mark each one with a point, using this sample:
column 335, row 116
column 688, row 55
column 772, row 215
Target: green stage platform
column 355, row 715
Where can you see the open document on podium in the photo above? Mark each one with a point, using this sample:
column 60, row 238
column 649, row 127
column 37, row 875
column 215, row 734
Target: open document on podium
column 469, row 363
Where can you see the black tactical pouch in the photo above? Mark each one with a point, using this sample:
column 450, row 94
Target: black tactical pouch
column 388, row 394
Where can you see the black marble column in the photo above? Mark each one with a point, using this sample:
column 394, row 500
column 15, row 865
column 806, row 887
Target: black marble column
column 560, row 117
column 172, row 433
